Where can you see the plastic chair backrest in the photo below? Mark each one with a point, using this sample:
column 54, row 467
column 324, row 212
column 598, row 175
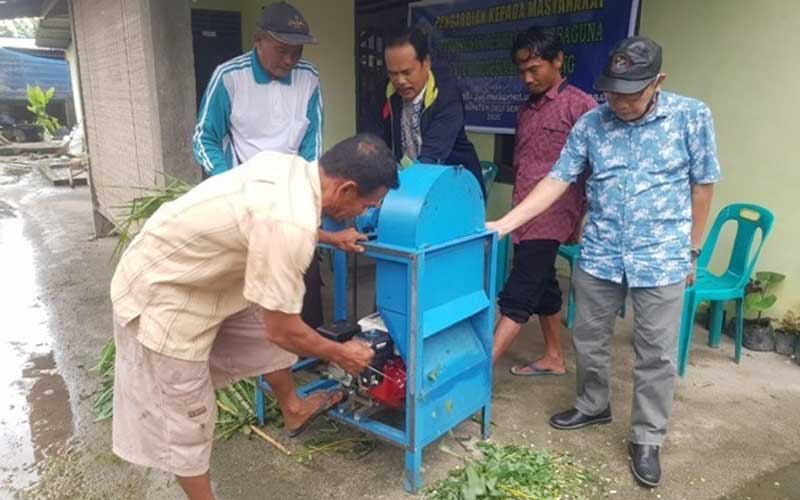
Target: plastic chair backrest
column 749, row 218
column 489, row 171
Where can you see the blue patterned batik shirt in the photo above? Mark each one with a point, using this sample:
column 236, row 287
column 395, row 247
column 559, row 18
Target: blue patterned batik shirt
column 639, row 188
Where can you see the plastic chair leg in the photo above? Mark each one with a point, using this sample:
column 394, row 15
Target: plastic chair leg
column 739, row 328
column 687, row 327
column 716, row 311
column 570, row 308
column 503, row 248
column 570, row 297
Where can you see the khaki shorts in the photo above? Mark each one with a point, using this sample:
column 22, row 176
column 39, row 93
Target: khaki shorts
column 165, row 408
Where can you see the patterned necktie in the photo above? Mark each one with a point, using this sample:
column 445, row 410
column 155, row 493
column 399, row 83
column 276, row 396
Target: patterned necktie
column 410, row 136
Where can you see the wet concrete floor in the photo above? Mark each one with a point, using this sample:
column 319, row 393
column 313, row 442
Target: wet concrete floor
column 36, row 415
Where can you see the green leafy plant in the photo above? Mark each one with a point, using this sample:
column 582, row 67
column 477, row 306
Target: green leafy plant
column 516, row 472
column 330, row 440
column 103, row 403
column 758, row 298
column 140, row 208
column 237, row 403
column 23, row 27
column 37, row 104
column 132, row 215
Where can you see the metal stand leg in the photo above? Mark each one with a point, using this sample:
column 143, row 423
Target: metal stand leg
column 486, row 421
column 339, row 285
column 260, row 400
column 413, row 480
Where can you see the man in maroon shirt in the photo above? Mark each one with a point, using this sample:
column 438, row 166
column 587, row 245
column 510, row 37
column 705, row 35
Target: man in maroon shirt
column 543, row 124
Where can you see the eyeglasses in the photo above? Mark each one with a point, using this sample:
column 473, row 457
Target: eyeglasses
column 628, row 98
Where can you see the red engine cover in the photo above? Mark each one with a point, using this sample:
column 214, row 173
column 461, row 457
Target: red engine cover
column 391, row 391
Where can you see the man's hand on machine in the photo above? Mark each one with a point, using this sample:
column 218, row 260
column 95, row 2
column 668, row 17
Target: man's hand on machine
column 346, row 240
column 289, row 332
column 354, row 356
column 498, row 227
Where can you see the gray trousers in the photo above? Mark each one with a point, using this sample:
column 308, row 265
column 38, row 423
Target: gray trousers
column 656, row 314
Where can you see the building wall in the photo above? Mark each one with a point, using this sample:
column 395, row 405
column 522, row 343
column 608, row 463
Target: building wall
column 135, row 106
column 72, row 59
column 168, row 46
column 740, row 58
column 116, row 98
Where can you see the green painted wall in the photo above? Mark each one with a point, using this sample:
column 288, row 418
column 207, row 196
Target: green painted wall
column 740, row 57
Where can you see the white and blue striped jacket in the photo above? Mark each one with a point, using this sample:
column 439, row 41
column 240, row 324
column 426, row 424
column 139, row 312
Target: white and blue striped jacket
column 245, row 111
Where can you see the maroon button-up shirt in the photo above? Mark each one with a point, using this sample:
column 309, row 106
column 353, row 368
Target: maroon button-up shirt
column 542, row 128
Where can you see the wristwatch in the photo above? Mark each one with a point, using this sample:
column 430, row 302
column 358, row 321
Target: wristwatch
column 695, row 253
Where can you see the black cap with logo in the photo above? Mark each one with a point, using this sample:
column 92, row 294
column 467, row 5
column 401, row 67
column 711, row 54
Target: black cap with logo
column 286, row 24
column 633, row 64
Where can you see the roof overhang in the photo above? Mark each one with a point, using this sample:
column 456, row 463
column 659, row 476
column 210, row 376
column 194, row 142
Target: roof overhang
column 54, row 27
column 12, row 9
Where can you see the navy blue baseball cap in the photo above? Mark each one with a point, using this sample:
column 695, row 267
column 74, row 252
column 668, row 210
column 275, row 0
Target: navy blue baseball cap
column 634, row 63
column 286, row 24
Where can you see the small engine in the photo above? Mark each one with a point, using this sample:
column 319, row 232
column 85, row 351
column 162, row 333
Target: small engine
column 384, row 381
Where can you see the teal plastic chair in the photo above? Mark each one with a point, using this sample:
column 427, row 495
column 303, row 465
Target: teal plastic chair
column 730, row 285
column 571, row 253
column 489, row 171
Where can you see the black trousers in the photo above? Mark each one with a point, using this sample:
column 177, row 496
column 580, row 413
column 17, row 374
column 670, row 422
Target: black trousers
column 532, row 287
column 312, row 301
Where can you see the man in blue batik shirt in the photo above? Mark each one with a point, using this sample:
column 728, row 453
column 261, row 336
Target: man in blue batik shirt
column 652, row 163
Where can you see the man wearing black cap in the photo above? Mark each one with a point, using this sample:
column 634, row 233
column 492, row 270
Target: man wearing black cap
column 269, row 99
column 652, row 162
column 265, row 100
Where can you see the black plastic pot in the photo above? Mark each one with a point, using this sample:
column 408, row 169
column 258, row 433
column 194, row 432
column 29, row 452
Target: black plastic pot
column 797, row 351
column 785, row 342
column 730, row 328
column 758, row 335
column 28, row 133
column 702, row 318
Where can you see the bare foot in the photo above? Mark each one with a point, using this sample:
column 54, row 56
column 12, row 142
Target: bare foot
column 294, row 418
column 556, row 365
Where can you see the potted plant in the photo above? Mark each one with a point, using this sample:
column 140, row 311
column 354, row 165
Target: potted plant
column 38, row 100
column 787, row 334
column 758, row 333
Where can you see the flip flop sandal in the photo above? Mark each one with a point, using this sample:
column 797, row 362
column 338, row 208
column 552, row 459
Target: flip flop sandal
column 531, row 370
